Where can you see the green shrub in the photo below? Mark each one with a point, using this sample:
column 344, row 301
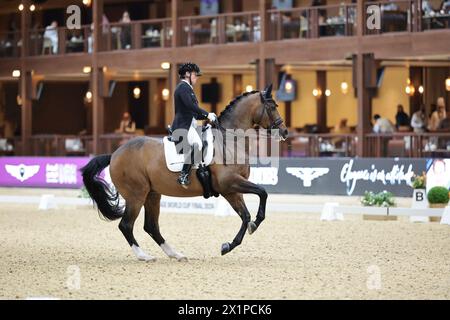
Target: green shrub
column 438, row 195
column 382, row 199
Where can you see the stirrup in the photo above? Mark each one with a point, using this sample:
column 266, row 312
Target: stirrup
column 183, row 179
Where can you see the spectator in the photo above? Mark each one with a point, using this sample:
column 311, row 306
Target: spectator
column 445, row 7
column 444, row 125
column 341, row 128
column 51, row 33
column 125, row 33
column 105, row 31
column 390, row 6
column 438, row 115
column 419, row 120
column 401, row 119
column 427, row 8
column 127, row 125
column 382, row 125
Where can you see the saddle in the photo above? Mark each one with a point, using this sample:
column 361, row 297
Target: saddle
column 175, row 159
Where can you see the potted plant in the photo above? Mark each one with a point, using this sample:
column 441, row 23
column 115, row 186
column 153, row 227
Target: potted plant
column 382, row 199
column 419, row 182
column 419, row 185
column 438, row 197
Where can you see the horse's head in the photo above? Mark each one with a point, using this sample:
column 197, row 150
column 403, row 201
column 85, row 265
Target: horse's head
column 266, row 113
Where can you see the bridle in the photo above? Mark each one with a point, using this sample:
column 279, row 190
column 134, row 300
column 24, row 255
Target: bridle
column 274, row 123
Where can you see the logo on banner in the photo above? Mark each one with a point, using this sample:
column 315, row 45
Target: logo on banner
column 61, row 173
column 307, row 174
column 22, row 172
column 397, row 175
column 264, row 175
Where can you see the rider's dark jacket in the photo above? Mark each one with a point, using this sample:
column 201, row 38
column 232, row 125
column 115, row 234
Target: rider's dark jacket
column 186, row 107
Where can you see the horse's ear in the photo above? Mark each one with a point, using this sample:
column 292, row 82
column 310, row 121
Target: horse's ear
column 268, row 92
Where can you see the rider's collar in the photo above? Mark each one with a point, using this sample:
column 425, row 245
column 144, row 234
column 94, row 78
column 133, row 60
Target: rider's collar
column 184, row 80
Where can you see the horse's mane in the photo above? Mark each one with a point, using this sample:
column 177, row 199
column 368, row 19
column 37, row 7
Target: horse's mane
column 233, row 103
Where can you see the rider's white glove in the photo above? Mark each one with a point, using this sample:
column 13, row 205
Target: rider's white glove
column 212, row 116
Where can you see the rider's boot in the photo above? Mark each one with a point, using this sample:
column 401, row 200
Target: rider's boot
column 183, row 179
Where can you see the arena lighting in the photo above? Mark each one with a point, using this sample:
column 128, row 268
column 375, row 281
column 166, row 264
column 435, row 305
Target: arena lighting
column 288, row 86
column 137, row 92
column 165, row 65
column 16, row 73
column 421, row 89
column 165, row 94
column 20, row 7
column 87, row 69
column 328, row 92
column 87, row 2
column 249, row 88
column 88, row 96
column 32, row 7
column 344, row 87
column 317, row 93
column 409, row 89
column 447, row 84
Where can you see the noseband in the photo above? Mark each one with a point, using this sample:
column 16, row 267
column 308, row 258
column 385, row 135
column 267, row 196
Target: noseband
column 274, row 123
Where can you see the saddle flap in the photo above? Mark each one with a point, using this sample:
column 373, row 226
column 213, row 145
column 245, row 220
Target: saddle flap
column 175, row 160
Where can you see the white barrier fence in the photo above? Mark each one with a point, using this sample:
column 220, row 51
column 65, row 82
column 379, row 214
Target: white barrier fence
column 219, row 206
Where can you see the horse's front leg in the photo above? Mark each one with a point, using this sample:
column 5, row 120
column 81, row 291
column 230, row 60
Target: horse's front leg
column 236, row 201
column 244, row 186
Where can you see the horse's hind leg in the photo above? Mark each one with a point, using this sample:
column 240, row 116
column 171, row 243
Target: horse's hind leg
column 126, row 226
column 151, row 225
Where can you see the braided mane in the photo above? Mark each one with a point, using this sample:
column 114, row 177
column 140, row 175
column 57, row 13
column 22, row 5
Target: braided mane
column 227, row 111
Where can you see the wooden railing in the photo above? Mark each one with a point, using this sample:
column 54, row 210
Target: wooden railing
column 155, row 33
column 60, row 41
column 220, row 29
column 111, row 141
column 319, row 145
column 312, row 22
column 400, row 144
column 51, row 145
column 408, row 144
column 395, row 16
column 10, row 44
column 295, row 23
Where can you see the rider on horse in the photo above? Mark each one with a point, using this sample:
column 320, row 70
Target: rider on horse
column 187, row 112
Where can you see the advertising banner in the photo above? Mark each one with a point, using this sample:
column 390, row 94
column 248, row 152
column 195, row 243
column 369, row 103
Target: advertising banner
column 339, row 176
column 327, row 176
column 42, row 172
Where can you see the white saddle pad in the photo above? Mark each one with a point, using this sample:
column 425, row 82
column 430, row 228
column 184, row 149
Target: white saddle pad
column 175, row 161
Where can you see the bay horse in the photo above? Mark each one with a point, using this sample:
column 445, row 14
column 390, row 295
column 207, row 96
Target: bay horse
column 139, row 173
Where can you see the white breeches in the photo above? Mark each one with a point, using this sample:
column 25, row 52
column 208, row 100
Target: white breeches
column 193, row 137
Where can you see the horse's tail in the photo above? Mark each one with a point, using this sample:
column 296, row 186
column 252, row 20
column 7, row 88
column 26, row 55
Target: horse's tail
column 106, row 199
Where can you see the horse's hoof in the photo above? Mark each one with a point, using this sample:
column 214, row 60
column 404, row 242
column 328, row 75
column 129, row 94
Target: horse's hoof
column 226, row 248
column 182, row 259
column 251, row 227
column 146, row 258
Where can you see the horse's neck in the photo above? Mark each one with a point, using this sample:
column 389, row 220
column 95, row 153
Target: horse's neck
column 241, row 117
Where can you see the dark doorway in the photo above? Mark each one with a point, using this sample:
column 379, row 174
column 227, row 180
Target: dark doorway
column 138, row 105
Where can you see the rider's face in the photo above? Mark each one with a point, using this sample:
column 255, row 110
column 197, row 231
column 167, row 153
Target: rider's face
column 194, row 77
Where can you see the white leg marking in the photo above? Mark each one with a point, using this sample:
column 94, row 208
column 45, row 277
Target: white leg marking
column 141, row 255
column 171, row 252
